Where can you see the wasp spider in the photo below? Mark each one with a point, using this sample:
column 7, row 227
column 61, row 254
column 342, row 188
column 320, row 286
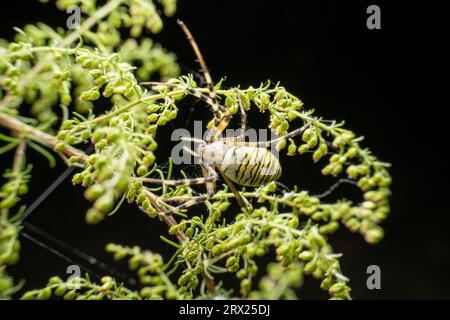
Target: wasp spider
column 245, row 163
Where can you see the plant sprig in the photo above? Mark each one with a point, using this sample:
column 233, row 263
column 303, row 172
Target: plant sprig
column 67, row 81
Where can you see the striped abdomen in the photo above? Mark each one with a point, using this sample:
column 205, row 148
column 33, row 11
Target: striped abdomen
column 250, row 166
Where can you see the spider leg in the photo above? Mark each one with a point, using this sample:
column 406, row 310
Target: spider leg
column 210, row 185
column 241, row 136
column 195, row 92
column 242, row 201
column 266, row 144
column 210, row 177
column 177, row 182
column 191, row 152
column 201, row 61
column 196, row 140
column 190, row 203
column 219, row 123
column 196, row 200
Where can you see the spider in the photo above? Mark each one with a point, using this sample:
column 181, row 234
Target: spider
column 248, row 164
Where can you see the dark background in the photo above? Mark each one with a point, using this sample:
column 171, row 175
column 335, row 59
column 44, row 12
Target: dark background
column 385, row 83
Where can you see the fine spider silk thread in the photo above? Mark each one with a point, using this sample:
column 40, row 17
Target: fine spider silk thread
column 76, row 252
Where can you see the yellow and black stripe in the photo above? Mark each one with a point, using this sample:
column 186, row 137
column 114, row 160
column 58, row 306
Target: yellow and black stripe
column 250, row 166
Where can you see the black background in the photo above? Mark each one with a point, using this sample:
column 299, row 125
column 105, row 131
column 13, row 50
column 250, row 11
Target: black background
column 385, row 83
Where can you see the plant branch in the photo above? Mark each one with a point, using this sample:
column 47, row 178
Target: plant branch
column 170, row 221
column 16, row 125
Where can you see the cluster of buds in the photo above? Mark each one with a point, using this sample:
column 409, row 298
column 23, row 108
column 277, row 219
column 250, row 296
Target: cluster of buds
column 161, row 114
column 149, row 267
column 81, row 288
column 110, row 72
column 107, row 177
column 321, row 263
column 152, row 58
column 16, row 186
column 279, row 282
column 9, row 243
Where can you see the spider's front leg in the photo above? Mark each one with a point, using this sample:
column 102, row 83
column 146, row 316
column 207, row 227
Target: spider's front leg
column 267, row 144
column 197, row 200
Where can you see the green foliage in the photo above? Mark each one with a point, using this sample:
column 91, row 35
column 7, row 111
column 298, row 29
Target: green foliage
column 81, row 288
column 47, row 72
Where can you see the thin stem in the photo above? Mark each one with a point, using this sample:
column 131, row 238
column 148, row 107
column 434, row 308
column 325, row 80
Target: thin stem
column 19, row 157
column 127, row 107
column 14, row 124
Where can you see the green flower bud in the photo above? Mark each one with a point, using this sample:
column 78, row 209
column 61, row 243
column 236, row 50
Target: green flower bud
column 61, row 290
column 329, row 228
column 221, row 233
column 109, row 90
column 303, row 149
column 142, row 170
column 336, row 169
column 70, row 295
column 189, row 232
column 284, row 126
column 306, row 256
column 246, row 238
column 173, row 229
column 106, row 279
column 184, row 279
column 122, row 184
column 149, row 159
column 327, row 169
column 283, row 249
column 44, row 294
column 172, row 114
column 334, row 158
column 352, row 172
column 113, row 135
column 162, row 120
column 307, row 134
column 94, row 192
column 153, row 117
column 66, row 99
column 337, row 288
column 279, row 95
column 352, row 152
column 216, row 250
column 246, row 286
column 233, row 109
column 60, row 146
column 153, row 108
column 310, row 267
column 77, row 178
column 292, row 149
column 231, row 261
column 281, row 145
column 9, row 202
column 317, row 155
column 312, row 142
column 93, row 216
column 374, row 235
column 54, row 280
column 27, row 296
column 260, row 251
